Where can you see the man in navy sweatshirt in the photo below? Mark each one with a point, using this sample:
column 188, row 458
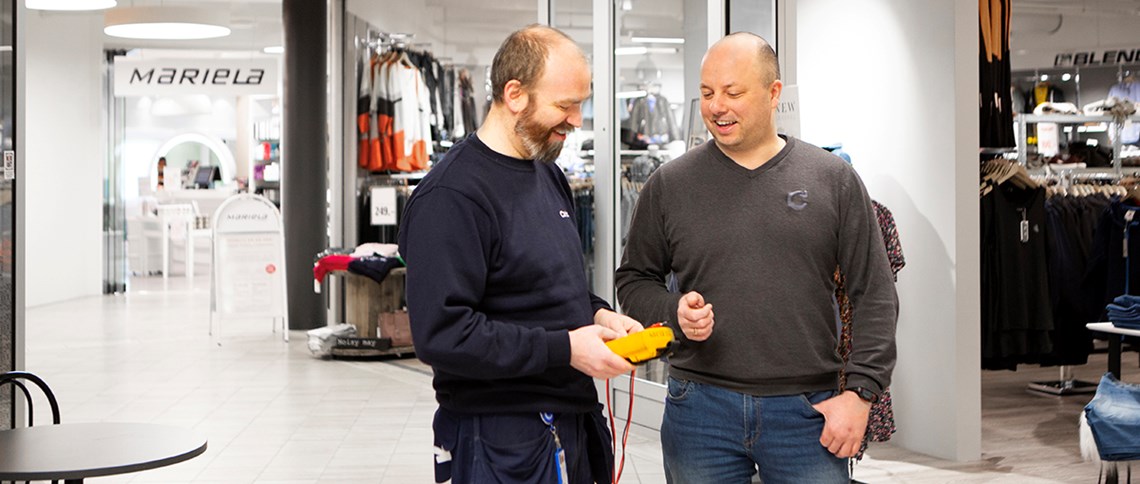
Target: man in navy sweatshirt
column 496, row 287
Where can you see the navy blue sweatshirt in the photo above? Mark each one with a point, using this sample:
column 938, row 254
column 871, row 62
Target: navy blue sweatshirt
column 495, row 282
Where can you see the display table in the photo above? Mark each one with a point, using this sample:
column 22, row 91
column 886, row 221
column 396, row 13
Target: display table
column 1113, row 343
column 79, row 450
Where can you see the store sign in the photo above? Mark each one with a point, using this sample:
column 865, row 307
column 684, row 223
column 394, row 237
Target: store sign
column 1096, row 58
column 195, row 76
column 788, row 111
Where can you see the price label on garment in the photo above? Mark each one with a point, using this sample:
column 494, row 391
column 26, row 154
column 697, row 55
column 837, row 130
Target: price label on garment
column 383, row 206
column 1048, row 139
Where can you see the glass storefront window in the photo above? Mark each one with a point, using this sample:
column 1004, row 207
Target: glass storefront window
column 650, row 100
column 7, row 207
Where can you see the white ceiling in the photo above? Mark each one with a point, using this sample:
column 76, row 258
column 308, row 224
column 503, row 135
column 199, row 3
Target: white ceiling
column 471, row 28
column 467, row 24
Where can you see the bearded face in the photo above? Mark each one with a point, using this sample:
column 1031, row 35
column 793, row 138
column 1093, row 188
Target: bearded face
column 542, row 142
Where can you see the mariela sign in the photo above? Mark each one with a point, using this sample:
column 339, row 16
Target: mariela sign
column 195, row 76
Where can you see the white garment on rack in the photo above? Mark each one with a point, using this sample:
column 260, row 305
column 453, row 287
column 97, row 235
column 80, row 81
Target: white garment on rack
column 412, row 108
column 1131, row 92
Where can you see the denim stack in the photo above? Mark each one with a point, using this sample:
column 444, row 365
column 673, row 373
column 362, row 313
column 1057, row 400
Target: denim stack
column 1124, row 312
column 1114, row 417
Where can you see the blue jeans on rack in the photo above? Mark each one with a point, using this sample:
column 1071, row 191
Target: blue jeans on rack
column 1114, row 417
column 711, row 434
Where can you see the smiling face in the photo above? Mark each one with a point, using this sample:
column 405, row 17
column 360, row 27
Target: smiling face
column 554, row 104
column 739, row 95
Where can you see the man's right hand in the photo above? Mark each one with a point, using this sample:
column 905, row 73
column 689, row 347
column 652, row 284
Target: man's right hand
column 695, row 316
column 590, row 355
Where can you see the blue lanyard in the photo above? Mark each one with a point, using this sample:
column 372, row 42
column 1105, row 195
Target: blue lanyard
column 559, row 453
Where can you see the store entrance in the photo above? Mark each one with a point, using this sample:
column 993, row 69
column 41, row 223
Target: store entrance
column 177, row 155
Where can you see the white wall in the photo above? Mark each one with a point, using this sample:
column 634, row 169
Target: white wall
column 896, row 82
column 64, row 153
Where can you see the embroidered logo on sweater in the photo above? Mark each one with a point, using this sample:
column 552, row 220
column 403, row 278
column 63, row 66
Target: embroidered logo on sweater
column 563, row 214
column 798, row 200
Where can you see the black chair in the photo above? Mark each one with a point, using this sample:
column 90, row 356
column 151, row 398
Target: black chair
column 16, row 377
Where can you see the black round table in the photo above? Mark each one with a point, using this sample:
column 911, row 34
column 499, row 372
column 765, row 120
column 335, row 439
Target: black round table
column 76, row 451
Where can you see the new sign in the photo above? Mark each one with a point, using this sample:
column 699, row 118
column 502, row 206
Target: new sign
column 195, row 76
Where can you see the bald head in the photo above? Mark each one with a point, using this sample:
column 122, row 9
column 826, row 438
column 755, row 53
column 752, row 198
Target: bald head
column 752, row 46
column 523, row 55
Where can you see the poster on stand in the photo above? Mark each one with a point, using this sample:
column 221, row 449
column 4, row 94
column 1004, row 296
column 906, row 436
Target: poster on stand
column 249, row 260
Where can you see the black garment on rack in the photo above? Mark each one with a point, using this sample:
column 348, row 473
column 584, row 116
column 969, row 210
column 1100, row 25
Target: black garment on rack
column 1016, row 315
column 1105, row 277
column 995, row 81
column 1069, row 236
column 584, row 211
column 467, row 103
column 650, row 122
column 447, row 101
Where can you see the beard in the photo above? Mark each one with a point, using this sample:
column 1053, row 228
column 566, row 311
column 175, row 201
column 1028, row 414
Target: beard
column 536, row 137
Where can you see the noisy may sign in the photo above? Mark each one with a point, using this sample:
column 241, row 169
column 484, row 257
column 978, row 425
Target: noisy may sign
column 195, row 76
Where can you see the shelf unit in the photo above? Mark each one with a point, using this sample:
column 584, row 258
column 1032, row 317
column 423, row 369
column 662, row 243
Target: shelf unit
column 1117, row 129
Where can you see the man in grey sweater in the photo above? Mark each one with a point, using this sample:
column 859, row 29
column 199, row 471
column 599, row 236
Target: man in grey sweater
column 755, row 224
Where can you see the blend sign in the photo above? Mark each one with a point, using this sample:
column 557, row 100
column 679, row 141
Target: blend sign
column 195, row 76
column 1096, row 58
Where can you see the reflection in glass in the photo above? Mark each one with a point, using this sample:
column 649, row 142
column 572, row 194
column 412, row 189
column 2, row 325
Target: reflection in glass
column 650, row 101
column 575, row 18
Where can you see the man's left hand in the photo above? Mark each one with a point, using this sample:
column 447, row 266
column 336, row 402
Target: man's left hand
column 619, row 323
column 845, row 423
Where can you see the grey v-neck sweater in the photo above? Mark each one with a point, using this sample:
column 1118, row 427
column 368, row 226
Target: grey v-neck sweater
column 761, row 246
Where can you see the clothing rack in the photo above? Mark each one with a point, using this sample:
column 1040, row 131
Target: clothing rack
column 1066, row 384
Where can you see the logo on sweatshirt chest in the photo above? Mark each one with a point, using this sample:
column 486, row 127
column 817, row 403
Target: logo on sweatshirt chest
column 563, row 214
column 798, row 200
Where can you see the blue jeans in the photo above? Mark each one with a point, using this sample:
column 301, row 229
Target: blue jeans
column 1114, row 417
column 715, row 435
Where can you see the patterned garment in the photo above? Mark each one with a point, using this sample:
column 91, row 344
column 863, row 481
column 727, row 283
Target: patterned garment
column 881, row 424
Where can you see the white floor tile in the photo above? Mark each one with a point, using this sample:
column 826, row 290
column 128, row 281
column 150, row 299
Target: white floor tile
column 273, row 413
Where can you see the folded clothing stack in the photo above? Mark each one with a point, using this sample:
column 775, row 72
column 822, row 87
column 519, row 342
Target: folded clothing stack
column 1124, row 312
column 1114, row 417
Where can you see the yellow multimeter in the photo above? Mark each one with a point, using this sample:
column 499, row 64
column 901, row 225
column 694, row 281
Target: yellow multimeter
column 652, row 342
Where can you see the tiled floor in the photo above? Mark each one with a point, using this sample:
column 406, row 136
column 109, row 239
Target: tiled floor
column 274, row 413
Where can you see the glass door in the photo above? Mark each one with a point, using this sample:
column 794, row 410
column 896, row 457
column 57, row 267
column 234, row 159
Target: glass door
column 7, row 205
column 114, row 208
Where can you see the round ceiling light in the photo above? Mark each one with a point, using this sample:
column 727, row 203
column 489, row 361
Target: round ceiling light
column 165, row 23
column 69, row 4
